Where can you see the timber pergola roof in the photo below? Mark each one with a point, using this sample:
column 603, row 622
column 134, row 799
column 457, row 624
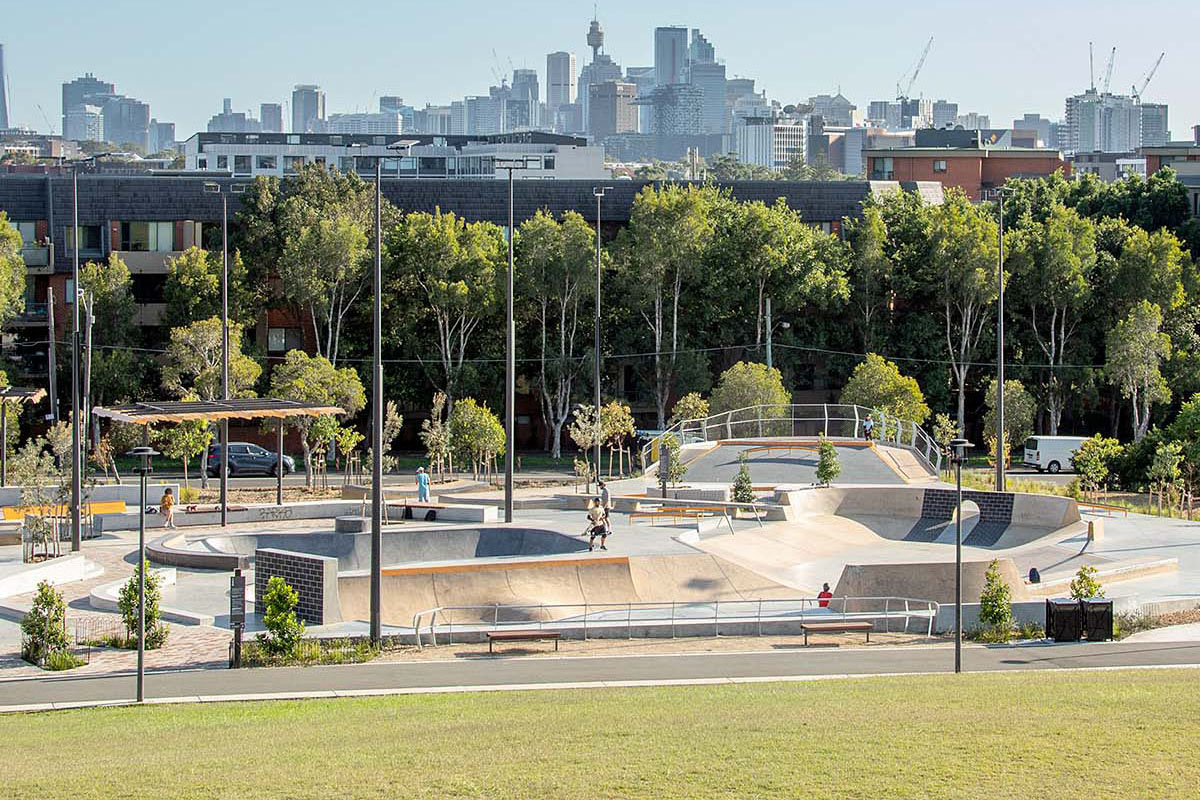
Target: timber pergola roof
column 15, row 394
column 242, row 408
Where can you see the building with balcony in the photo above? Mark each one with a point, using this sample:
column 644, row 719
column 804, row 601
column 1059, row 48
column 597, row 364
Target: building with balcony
column 1184, row 158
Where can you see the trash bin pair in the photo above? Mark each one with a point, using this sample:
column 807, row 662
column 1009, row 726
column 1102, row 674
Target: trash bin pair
column 1070, row 620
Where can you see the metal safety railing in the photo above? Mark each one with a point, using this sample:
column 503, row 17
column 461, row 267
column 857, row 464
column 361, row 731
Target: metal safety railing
column 835, row 420
column 608, row 616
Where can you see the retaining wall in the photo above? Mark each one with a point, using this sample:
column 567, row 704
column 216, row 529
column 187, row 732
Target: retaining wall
column 313, row 577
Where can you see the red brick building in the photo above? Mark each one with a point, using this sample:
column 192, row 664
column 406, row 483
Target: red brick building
column 1182, row 157
column 975, row 170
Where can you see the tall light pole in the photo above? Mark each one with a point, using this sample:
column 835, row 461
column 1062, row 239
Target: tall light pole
column 377, row 421
column 510, row 348
column 598, row 191
column 144, row 454
column 76, row 450
column 1001, row 450
column 783, row 324
column 958, row 449
column 233, row 188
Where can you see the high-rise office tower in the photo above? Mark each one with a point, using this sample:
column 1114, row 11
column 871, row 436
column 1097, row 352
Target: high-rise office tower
column 670, row 55
column 709, row 78
column 162, row 136
column 270, row 115
column 561, row 82
column 1156, row 130
column 612, row 109
column 602, row 68
column 1105, row 123
column 944, row 113
column 701, row 51
column 643, row 79
column 85, row 91
column 524, row 101
column 3, row 93
column 127, row 121
column 308, row 108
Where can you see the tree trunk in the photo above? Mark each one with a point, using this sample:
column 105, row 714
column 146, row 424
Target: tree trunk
column 309, row 478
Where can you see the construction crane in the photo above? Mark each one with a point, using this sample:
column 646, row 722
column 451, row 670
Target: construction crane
column 902, row 93
column 1137, row 93
column 1112, row 57
column 42, row 111
column 1092, row 65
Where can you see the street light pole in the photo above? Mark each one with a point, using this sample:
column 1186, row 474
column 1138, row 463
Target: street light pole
column 225, row 356
column 510, row 348
column 1001, row 450
column 76, row 460
column 144, row 454
column 770, row 360
column 599, row 192
column 377, row 421
column 958, row 448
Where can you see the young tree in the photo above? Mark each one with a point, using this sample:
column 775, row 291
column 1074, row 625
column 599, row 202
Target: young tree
column 1164, row 472
column 1020, row 409
column 1085, row 585
column 12, row 271
column 1093, row 462
column 44, row 628
column 669, row 229
column 315, row 380
column 185, row 440
column 616, row 426
column 995, row 600
column 127, row 603
column 192, row 362
column 476, row 434
column 557, row 261
column 965, row 254
column 117, row 371
column 452, row 271
column 743, row 487
column 1136, row 348
column 284, row 629
column 828, row 466
column 1052, row 262
column 690, row 406
column 435, row 435
column 586, row 432
column 748, row 384
column 877, row 383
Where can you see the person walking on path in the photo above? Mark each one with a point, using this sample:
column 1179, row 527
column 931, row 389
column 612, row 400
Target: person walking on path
column 422, row 485
column 868, row 428
column 167, row 506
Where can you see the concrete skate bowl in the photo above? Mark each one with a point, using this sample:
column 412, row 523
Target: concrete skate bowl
column 931, row 581
column 991, row 520
column 530, row 590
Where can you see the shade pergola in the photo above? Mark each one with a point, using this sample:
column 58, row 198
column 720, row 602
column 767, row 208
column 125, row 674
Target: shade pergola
column 174, row 411
column 17, row 396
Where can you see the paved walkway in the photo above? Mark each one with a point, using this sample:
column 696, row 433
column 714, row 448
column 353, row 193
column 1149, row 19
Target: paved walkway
column 499, row 673
column 1173, row 633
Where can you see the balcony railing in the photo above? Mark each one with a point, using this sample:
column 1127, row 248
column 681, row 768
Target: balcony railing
column 36, row 256
column 34, row 314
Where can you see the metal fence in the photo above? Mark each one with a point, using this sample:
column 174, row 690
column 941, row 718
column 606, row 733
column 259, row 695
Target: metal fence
column 834, row 420
column 594, row 617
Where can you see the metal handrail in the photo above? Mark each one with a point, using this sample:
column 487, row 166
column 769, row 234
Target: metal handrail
column 912, row 609
column 786, row 420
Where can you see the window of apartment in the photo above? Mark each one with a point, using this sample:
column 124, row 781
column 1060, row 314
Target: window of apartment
column 147, row 288
column 222, row 162
column 280, row 340
column 939, row 165
column 319, row 160
column 335, row 139
column 549, row 162
column 28, row 231
column 252, row 138
column 148, row 237
column 241, row 165
column 292, row 164
column 89, row 238
column 883, row 169
column 346, row 163
column 69, row 291
column 379, row 140
column 293, row 138
column 201, row 163
column 265, row 162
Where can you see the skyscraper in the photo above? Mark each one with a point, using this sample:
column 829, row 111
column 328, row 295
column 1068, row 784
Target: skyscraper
column 670, row 54
column 700, row 51
column 524, row 102
column 602, row 68
column 1156, row 130
column 3, row 93
column 562, row 87
column 709, row 78
column 80, row 92
column 1105, row 123
column 127, row 122
column 944, row 113
column 308, row 108
column 270, row 115
column 643, row 79
column 612, row 108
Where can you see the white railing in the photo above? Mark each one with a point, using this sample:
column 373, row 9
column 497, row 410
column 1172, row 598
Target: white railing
column 835, row 420
column 608, row 616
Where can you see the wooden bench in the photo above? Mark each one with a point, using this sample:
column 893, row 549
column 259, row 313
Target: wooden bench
column 847, row 626
column 522, row 636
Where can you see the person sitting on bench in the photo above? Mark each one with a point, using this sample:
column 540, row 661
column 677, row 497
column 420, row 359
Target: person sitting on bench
column 598, row 525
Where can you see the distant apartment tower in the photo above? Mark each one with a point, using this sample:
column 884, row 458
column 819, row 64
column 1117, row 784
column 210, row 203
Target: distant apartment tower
column 308, row 108
column 772, row 142
column 836, row 110
column 945, row 114
column 709, row 78
column 270, row 116
column 127, row 121
column 3, row 93
column 162, row 136
column 230, row 121
column 1156, row 130
column 1104, row 123
column 525, row 101
column 562, row 87
column 432, row 119
column 390, row 104
column 612, row 109
column 84, row 123
column 1040, row 126
column 973, row 121
column 670, row 54
column 85, row 91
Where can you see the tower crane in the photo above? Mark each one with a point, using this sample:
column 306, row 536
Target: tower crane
column 1137, row 93
column 1112, row 57
column 902, row 93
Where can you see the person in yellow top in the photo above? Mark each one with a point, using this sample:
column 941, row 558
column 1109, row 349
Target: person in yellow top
column 167, row 506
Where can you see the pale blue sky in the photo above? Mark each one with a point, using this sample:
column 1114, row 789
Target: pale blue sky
column 183, row 58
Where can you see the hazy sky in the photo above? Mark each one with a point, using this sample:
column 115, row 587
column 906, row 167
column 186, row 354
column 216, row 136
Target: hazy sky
column 183, row 58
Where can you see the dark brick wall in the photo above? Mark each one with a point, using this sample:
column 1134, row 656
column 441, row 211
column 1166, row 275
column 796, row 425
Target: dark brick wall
column 993, row 506
column 304, row 573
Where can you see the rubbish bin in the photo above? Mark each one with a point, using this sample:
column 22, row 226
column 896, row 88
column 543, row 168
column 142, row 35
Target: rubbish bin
column 1064, row 620
column 1097, row 619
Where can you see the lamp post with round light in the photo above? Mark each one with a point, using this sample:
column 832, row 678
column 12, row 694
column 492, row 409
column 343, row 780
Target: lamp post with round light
column 144, row 455
column 958, row 454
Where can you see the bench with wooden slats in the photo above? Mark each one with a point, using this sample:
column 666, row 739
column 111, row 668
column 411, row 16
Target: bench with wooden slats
column 522, row 636
column 845, row 626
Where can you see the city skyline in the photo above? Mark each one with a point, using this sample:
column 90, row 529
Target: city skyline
column 791, row 64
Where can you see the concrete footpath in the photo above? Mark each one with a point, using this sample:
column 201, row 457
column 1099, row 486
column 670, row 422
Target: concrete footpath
column 511, row 673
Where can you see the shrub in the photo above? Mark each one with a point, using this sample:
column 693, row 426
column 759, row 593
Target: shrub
column 877, row 383
column 188, row 494
column 60, row 660
column 690, row 406
column 1085, row 584
column 678, row 468
column 743, row 487
column 45, row 626
column 127, row 603
column 283, row 628
column 828, row 466
column 995, row 601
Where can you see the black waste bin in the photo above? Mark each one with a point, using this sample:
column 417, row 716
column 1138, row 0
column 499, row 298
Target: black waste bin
column 1097, row 619
column 1064, row 620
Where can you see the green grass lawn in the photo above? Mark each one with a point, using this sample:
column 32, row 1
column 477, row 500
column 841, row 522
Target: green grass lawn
column 1029, row 735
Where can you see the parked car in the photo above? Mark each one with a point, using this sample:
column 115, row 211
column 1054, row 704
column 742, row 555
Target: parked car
column 247, row 459
column 1051, row 453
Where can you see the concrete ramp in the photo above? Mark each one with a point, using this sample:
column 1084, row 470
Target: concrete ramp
column 924, row 581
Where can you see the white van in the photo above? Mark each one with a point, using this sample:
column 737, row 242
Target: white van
column 1051, row 453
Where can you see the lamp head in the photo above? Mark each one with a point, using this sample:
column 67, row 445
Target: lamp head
column 958, row 447
column 144, row 455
